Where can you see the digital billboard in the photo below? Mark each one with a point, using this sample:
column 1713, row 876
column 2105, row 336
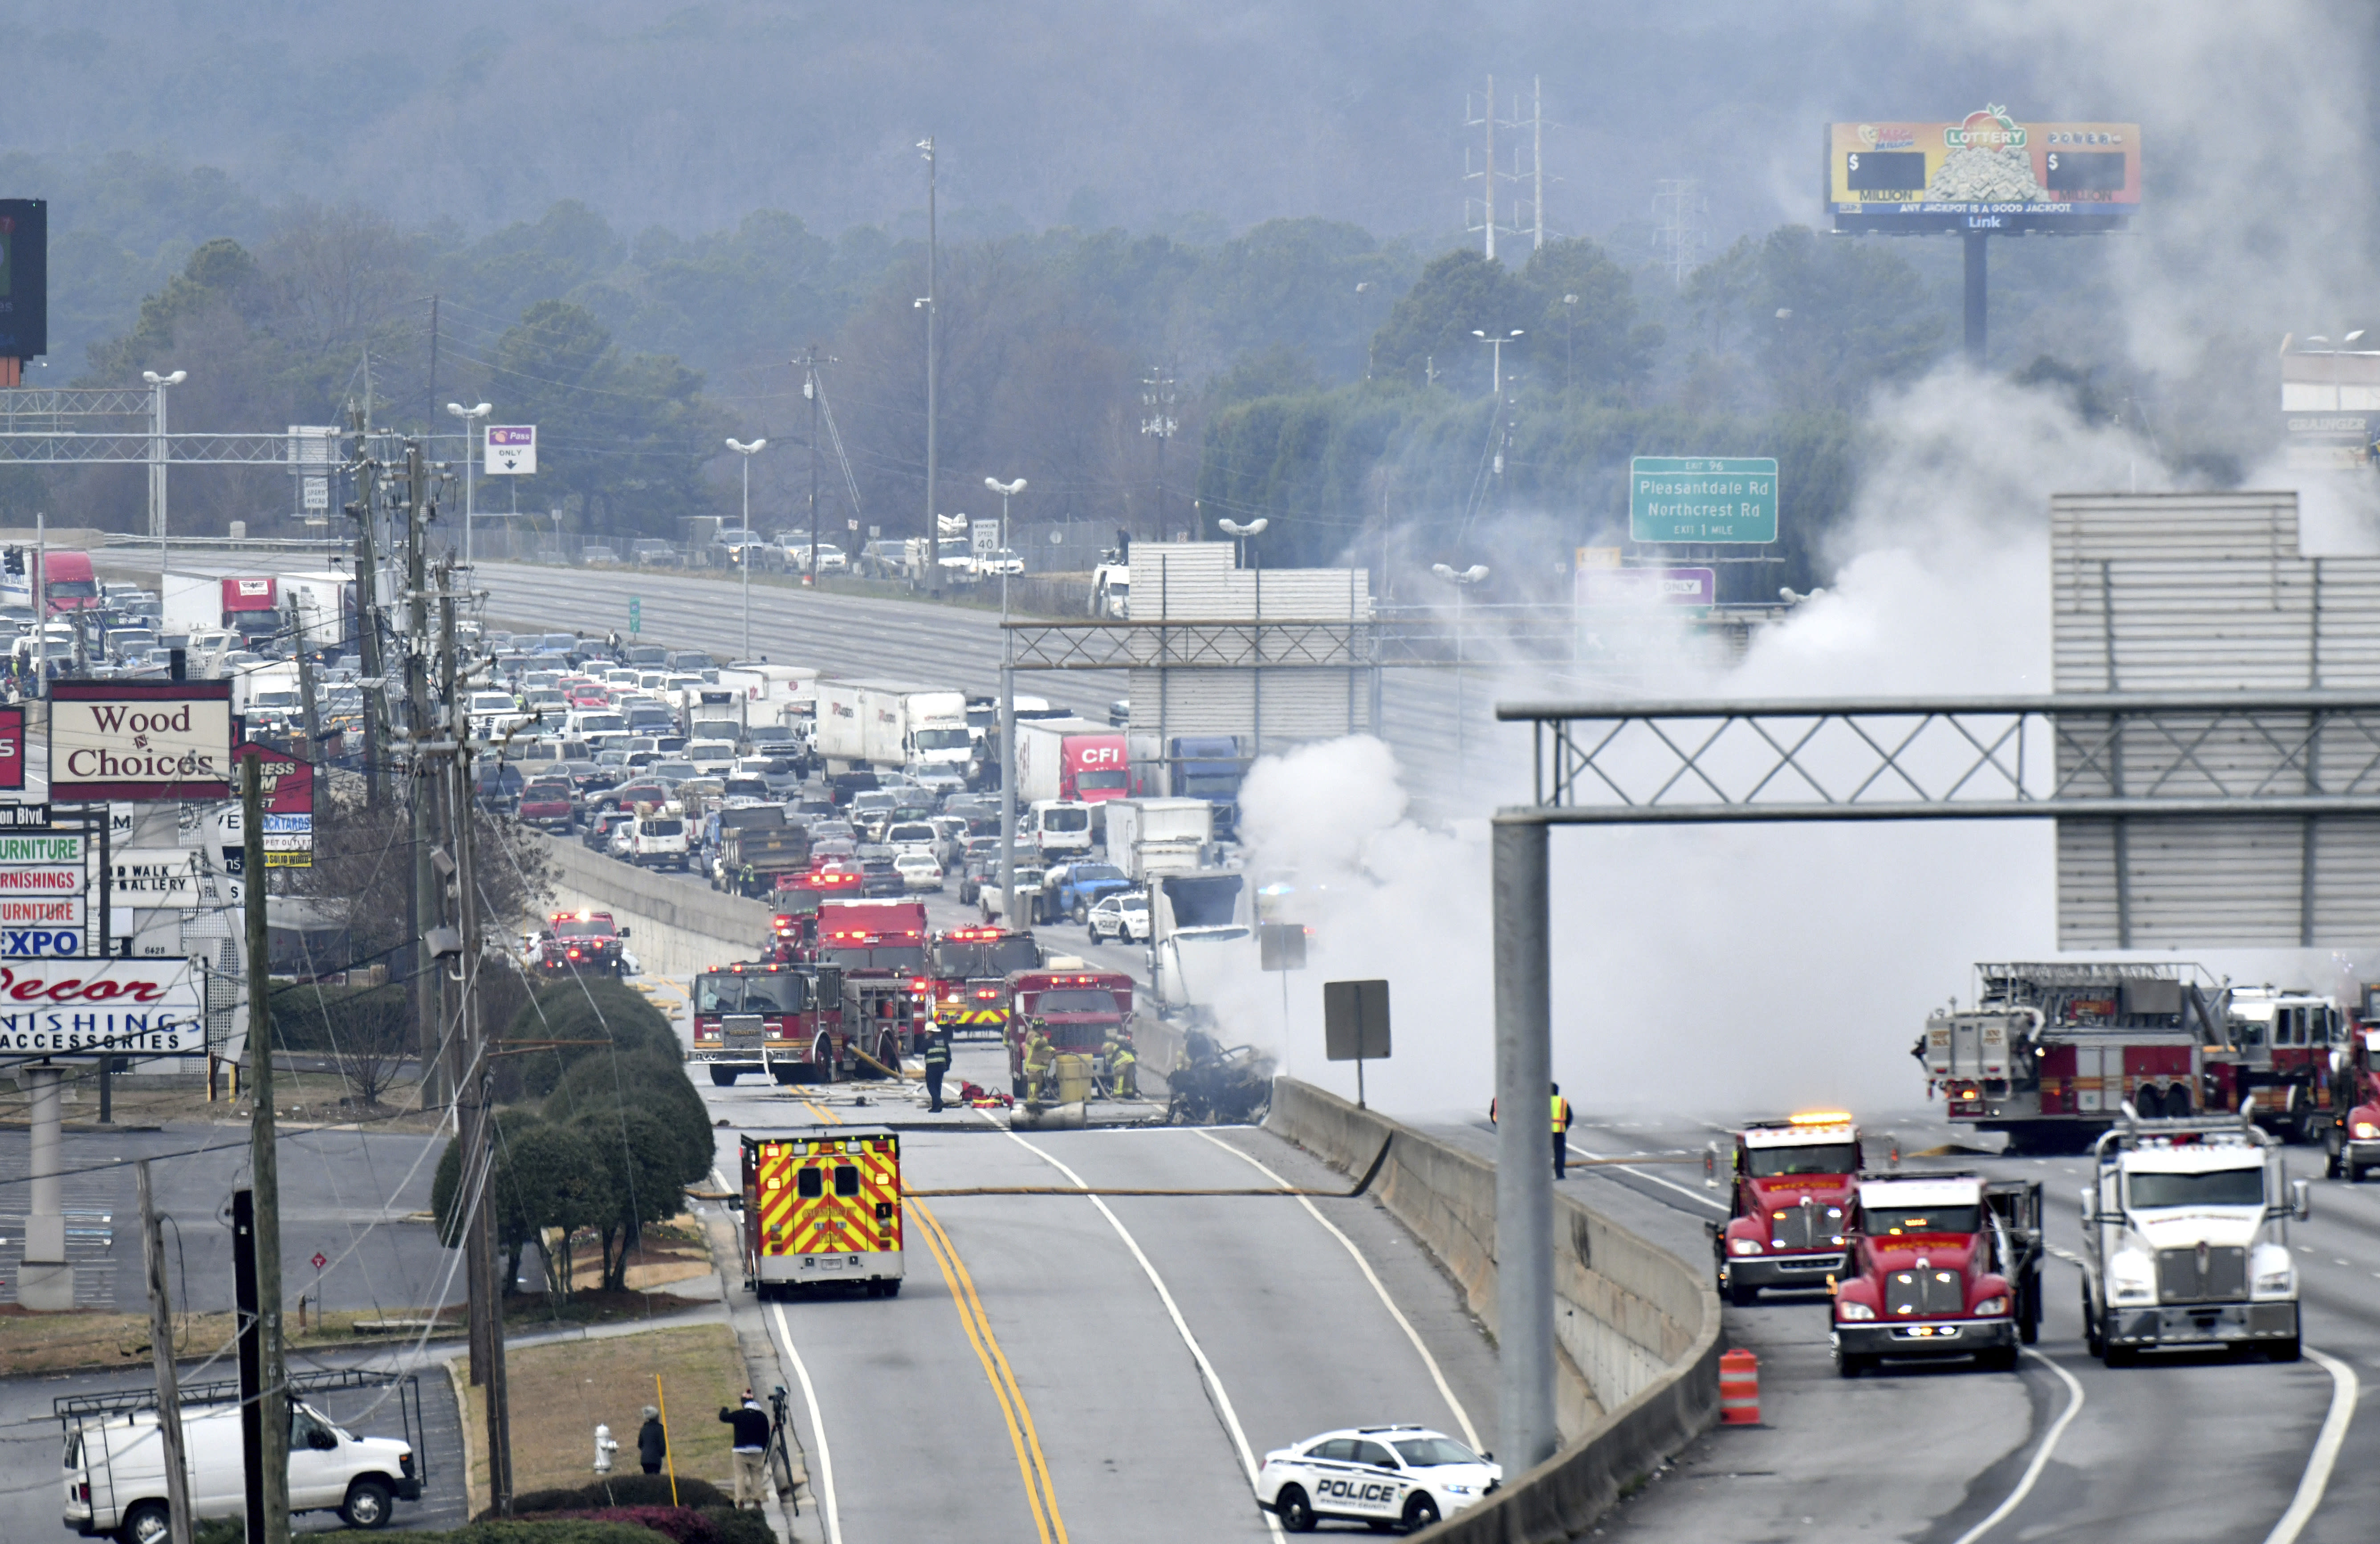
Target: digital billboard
column 24, row 279
column 1986, row 172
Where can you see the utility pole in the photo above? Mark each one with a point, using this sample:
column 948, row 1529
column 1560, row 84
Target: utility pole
column 264, row 1373
column 161, row 1346
column 933, row 308
column 366, row 511
column 1486, row 120
column 429, row 1025
column 1536, row 166
column 810, row 393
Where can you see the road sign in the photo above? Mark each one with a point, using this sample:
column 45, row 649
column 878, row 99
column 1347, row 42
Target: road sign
column 320, row 1259
column 986, row 538
column 1636, row 588
column 636, row 614
column 512, row 450
column 1702, row 498
column 1280, row 946
column 1355, row 1021
column 23, row 817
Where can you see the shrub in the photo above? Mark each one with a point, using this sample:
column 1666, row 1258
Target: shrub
column 588, row 1010
column 630, row 1490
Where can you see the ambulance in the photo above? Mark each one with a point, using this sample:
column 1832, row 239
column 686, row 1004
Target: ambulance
column 824, row 1205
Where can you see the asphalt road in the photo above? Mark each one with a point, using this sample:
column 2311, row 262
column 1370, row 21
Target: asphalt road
column 1122, row 1431
column 2179, row 1447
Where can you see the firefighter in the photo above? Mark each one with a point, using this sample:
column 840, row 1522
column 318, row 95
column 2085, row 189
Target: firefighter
column 1103, row 1069
column 1038, row 1060
column 1124, row 1068
column 1562, row 1132
column 938, row 1062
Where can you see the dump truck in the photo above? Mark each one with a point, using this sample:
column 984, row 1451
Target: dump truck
column 1940, row 1265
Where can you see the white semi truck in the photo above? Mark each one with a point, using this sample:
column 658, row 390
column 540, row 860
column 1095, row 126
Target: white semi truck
column 1148, row 837
column 890, row 725
column 2185, row 1240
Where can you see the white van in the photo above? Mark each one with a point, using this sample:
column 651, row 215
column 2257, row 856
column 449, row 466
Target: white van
column 1059, row 826
column 659, row 840
column 115, row 1471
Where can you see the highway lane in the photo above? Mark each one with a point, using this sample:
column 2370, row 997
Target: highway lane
column 1123, row 1421
column 2179, row 1447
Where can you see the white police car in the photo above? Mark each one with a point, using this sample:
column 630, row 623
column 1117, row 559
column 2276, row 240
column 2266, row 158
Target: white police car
column 1385, row 1476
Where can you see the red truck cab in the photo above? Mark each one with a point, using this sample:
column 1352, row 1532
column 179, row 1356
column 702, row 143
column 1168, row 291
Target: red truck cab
column 765, row 1018
column 577, row 941
column 251, row 606
column 1079, row 1010
column 1094, row 768
column 1791, row 1208
column 2352, row 1139
column 1932, row 1272
column 967, row 974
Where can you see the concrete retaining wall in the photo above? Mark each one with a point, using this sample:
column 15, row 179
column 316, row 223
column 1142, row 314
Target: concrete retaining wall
column 1639, row 1328
column 675, row 926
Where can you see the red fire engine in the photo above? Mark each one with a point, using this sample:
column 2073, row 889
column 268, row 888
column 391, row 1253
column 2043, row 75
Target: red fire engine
column 769, row 1018
column 879, row 946
column 577, row 941
column 1792, row 1203
column 966, row 978
column 1079, row 1010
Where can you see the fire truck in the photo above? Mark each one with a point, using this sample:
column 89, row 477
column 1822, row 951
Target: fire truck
column 793, row 931
column 2283, row 1045
column 1939, row 1264
column 966, row 977
column 581, row 940
column 879, row 947
column 2051, row 1052
column 822, row 1206
column 2351, row 1132
column 769, row 1018
column 1080, row 1010
column 1791, row 1208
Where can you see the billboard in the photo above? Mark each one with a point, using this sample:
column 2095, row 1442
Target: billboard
column 1986, row 172
column 69, row 1007
column 288, row 807
column 24, row 279
column 152, row 742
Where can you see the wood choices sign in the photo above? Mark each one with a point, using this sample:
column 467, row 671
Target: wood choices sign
column 139, row 742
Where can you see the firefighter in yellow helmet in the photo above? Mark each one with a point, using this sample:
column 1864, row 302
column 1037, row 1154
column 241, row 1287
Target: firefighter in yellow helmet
column 1039, row 1059
column 1124, row 1067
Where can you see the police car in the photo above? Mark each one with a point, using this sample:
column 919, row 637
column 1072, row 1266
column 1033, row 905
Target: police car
column 1385, row 1476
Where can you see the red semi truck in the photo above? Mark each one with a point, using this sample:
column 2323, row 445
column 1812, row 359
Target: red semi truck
column 1940, row 1265
column 1070, row 759
column 1079, row 1010
column 1791, row 1208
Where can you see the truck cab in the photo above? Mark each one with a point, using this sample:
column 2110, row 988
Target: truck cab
column 2185, row 1240
column 1079, row 1010
column 879, row 946
column 2282, row 1043
column 1790, row 1222
column 766, row 1018
column 967, row 974
column 577, row 941
column 1939, row 1264
column 2351, row 1137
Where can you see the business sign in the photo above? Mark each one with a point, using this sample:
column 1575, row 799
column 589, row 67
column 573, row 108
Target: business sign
column 1986, row 172
column 24, row 817
column 154, row 879
column 288, row 807
column 24, row 279
column 1644, row 589
column 1702, row 498
column 65, row 1007
column 512, row 450
column 163, row 741
column 12, row 748
column 47, row 849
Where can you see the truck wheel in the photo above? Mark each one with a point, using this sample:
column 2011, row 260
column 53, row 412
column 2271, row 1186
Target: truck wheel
column 2284, row 1351
column 1081, row 915
column 1742, row 1296
column 2028, row 1312
column 2354, row 1173
column 147, row 1522
column 2333, row 1161
column 2117, row 1356
column 2093, row 1341
column 1849, row 1364
column 722, row 1078
column 367, row 1504
column 892, row 1287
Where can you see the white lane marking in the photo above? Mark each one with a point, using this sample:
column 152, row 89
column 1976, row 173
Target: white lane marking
column 1691, row 1195
column 2344, row 1388
column 2040, row 1456
column 817, row 1429
column 1180, row 1326
column 1461, row 1416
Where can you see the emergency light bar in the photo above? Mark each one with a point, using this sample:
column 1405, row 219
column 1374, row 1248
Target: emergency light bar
column 1822, row 1117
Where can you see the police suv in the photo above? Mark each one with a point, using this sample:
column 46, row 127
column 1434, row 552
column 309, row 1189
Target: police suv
column 1386, row 1476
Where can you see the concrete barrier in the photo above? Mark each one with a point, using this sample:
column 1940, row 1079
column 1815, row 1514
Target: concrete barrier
column 1639, row 1328
column 676, row 925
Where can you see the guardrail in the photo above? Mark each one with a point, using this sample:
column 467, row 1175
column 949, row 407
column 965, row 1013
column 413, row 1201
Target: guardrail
column 1641, row 1342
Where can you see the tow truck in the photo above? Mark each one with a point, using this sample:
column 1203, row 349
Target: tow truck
column 1791, row 1216
column 966, row 978
column 1939, row 1264
column 879, row 946
column 2185, row 1239
column 581, row 940
column 2051, row 1051
column 768, row 1019
column 1079, row 1009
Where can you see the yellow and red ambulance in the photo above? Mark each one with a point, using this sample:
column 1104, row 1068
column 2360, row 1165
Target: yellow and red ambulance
column 824, row 1205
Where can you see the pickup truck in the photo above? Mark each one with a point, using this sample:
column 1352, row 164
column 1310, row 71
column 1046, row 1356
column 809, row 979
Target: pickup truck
column 548, row 804
column 577, row 941
column 1939, row 1264
column 1071, row 889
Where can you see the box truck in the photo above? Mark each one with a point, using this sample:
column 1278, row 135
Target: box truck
column 1070, row 759
column 1153, row 836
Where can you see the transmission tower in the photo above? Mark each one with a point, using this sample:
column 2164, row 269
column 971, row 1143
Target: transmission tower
column 1488, row 174
column 1680, row 225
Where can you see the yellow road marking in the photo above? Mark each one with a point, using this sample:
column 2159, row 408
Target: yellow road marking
column 1041, row 1493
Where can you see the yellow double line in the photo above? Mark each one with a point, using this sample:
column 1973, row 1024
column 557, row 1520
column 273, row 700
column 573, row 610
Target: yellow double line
column 1031, row 1467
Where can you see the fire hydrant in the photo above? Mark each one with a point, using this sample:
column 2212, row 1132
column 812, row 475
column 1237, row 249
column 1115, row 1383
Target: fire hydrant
column 604, row 1448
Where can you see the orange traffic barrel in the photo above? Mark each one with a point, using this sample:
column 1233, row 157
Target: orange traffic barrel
column 1738, row 1389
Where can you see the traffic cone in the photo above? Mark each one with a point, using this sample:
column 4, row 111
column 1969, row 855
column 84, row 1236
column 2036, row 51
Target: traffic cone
column 1738, row 1389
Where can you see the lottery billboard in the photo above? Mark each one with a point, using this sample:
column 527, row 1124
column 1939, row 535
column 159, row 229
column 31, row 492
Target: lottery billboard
column 1986, row 172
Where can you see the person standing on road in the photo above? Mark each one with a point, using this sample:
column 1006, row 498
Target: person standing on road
column 1038, row 1061
column 1125, row 1067
column 938, row 1062
column 1562, row 1133
column 751, row 1438
column 652, row 1442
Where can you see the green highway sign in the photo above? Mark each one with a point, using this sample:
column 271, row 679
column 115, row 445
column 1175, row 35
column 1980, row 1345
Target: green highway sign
column 636, row 614
column 1702, row 498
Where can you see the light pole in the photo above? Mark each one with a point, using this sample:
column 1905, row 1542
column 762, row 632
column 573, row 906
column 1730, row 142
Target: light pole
column 157, row 448
column 1569, row 332
column 1462, row 579
column 744, row 546
column 1497, row 342
column 1243, row 534
column 1007, row 717
column 471, row 455
column 933, row 321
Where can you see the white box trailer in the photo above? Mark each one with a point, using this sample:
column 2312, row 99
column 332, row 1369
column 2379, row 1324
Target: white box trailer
column 1147, row 837
column 322, row 607
column 839, row 736
column 909, row 727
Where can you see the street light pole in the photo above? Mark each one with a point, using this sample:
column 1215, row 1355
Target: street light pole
column 158, row 447
column 1007, row 717
column 933, row 309
column 744, row 546
column 471, row 455
column 1461, row 580
column 1497, row 342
